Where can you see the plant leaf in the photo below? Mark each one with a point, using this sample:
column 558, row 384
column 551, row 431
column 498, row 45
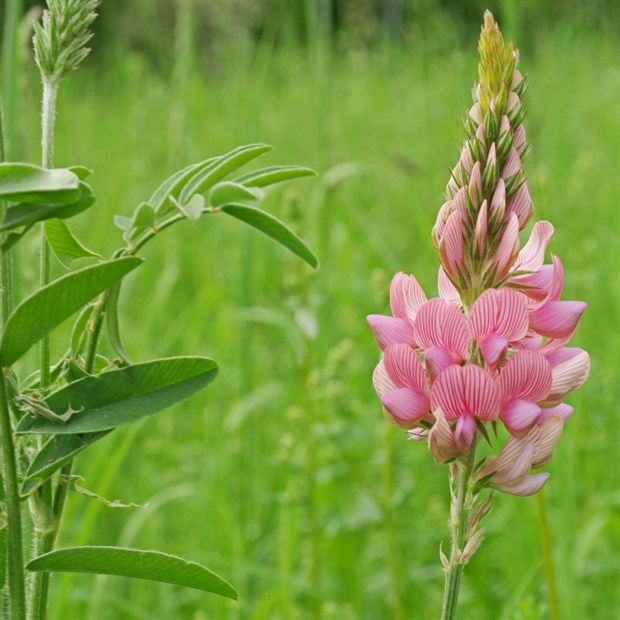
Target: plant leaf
column 21, row 182
column 273, row 175
column 121, row 396
column 111, row 318
column 220, row 168
column 25, row 214
column 228, row 192
column 45, row 309
column 79, row 329
column 65, row 244
column 53, row 455
column 273, row 228
column 134, row 563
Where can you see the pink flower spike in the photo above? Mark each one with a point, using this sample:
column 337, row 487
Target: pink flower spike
column 406, row 296
column 529, row 486
column 569, row 368
column 521, row 205
column 451, row 246
column 465, row 390
column 512, row 165
column 404, row 368
column 480, row 233
column 532, row 255
column 446, row 289
column 389, row 330
column 405, row 406
column 557, row 319
column 442, row 324
column 508, row 247
column 562, row 411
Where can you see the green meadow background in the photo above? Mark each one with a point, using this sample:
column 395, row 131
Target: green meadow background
column 283, row 476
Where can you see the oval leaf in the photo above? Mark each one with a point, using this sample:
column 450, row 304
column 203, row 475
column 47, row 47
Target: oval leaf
column 116, row 397
column 220, row 168
column 48, row 307
column 65, row 245
column 228, row 192
column 273, row 175
column 29, row 183
column 134, row 563
column 273, row 228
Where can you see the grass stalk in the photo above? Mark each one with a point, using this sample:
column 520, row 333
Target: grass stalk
column 545, row 541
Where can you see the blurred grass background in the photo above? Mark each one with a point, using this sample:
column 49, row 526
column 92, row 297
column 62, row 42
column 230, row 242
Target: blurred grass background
column 283, row 475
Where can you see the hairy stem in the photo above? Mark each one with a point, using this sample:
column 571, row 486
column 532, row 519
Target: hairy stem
column 545, row 540
column 17, row 589
column 461, row 505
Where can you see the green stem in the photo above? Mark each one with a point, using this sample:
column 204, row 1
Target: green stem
column 17, row 589
column 545, row 540
column 461, row 505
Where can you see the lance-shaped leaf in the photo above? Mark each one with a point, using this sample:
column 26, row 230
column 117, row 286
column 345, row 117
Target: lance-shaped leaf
column 228, row 192
column 53, row 455
column 111, row 317
column 25, row 214
column 273, row 175
column 48, row 307
column 32, row 184
column 105, row 401
column 220, row 168
column 65, row 245
column 134, row 563
column 273, row 228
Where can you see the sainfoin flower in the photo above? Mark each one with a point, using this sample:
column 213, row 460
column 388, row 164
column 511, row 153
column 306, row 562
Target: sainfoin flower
column 490, row 351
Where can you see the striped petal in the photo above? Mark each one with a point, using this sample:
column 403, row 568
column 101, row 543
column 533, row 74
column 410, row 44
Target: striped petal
column 536, row 285
column 441, row 442
column 527, row 375
column 381, row 380
column 532, row 255
column 405, row 406
column 550, row 433
column 389, row 330
column 557, row 319
column 451, row 245
column 480, row 233
column 448, row 393
column 494, row 349
column 502, row 312
column 508, row 247
column 442, row 324
column 481, row 393
column 570, row 368
column 498, row 202
column 521, row 205
column 404, row 368
column 529, row 486
column 406, row 296
column 562, row 411
column 446, row 289
column 512, row 165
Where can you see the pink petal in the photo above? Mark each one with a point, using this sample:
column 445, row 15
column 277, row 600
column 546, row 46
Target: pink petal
column 508, row 246
column 448, row 394
column 381, row 380
column 483, row 316
column 451, row 245
column 498, row 202
column 531, row 485
column 480, row 234
column 476, row 114
column 518, row 415
column 517, row 78
column 532, row 255
column 441, row 442
column 562, row 411
column 437, row 359
column 517, row 468
column 513, row 102
column 475, row 180
column 466, row 160
column 459, row 203
column 537, row 283
column 390, row 330
column 481, row 393
column 405, row 406
column 441, row 324
column 527, row 375
column 502, row 311
column 446, row 289
column 521, row 205
column 550, row 432
column 464, row 431
column 406, row 296
column 557, row 319
column 404, row 367
column 504, row 126
column 512, row 165
column 494, row 349
column 570, row 369
column 518, row 142
column 440, row 224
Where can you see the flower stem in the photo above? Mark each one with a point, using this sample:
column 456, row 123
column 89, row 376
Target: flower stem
column 545, row 540
column 461, row 505
column 17, row 590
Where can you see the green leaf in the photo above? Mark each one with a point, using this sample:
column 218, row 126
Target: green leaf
column 228, row 192
column 82, row 172
column 173, row 185
column 32, row 184
column 45, row 309
column 121, row 396
column 25, row 214
column 78, row 330
column 193, row 209
column 65, row 244
column 220, row 168
column 273, row 175
column 111, row 316
column 134, row 563
column 273, row 228
column 53, row 455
